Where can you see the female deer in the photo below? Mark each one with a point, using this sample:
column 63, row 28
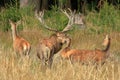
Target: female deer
column 20, row 45
column 87, row 55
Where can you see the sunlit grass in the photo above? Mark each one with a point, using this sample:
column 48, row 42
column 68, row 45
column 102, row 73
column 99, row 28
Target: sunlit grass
column 13, row 68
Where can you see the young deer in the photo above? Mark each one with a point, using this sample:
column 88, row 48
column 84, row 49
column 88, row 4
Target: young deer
column 96, row 55
column 50, row 46
column 20, row 45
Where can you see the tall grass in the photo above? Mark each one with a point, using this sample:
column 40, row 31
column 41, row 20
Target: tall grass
column 13, row 68
column 98, row 25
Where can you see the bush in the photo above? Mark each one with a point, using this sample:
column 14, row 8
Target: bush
column 14, row 14
column 108, row 17
column 10, row 13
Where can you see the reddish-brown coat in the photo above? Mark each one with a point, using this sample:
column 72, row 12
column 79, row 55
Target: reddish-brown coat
column 50, row 46
column 20, row 45
column 87, row 55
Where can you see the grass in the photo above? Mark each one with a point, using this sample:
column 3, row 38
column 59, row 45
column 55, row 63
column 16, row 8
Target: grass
column 12, row 68
column 98, row 26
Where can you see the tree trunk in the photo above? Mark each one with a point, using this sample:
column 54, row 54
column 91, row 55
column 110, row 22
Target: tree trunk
column 23, row 3
column 68, row 4
column 44, row 4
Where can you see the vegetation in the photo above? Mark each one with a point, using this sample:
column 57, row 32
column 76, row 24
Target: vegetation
column 98, row 25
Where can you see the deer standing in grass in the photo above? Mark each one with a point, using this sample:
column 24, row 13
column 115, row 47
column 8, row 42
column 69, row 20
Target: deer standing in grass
column 97, row 56
column 48, row 47
column 20, row 45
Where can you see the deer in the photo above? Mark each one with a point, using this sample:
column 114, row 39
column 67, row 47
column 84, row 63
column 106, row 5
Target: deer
column 48, row 47
column 20, row 45
column 97, row 56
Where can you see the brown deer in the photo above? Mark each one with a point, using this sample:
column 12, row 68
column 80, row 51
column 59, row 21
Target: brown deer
column 20, row 45
column 96, row 55
column 50, row 46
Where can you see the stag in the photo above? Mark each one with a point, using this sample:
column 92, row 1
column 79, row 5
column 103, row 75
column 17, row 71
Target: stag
column 48, row 47
column 20, row 45
column 97, row 56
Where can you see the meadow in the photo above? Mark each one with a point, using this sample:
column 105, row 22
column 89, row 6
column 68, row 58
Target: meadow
column 98, row 24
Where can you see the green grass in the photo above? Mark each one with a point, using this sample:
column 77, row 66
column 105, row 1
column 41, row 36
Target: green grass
column 98, row 25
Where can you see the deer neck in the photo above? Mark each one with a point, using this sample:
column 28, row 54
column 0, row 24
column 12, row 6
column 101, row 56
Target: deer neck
column 58, row 46
column 55, row 43
column 107, row 47
column 68, row 42
column 14, row 33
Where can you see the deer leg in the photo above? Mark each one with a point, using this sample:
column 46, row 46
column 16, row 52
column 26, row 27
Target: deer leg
column 41, row 56
column 72, row 65
column 43, row 59
column 50, row 63
column 48, row 57
column 28, row 51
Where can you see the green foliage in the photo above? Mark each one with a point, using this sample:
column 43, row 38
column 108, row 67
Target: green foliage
column 10, row 13
column 14, row 14
column 55, row 19
column 107, row 18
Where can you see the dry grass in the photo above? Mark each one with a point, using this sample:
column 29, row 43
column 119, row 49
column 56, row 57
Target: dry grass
column 14, row 68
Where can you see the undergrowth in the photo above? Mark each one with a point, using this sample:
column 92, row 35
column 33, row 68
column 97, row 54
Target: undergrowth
column 97, row 22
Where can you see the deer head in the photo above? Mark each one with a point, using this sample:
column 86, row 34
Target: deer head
column 61, row 35
column 106, row 41
column 13, row 24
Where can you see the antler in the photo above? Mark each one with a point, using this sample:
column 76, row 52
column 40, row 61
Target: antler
column 74, row 18
column 71, row 19
column 39, row 16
